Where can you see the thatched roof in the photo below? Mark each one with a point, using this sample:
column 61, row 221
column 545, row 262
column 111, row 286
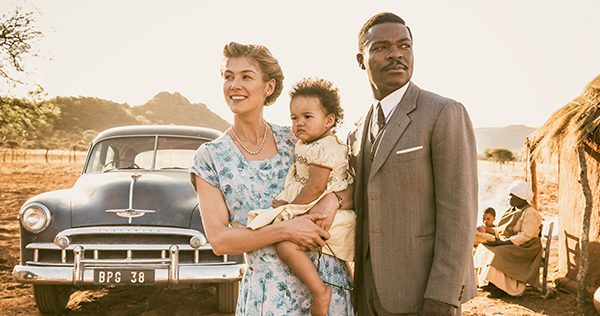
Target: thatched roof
column 574, row 124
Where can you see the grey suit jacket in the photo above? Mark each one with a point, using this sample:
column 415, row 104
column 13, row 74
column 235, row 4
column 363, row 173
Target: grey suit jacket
column 421, row 197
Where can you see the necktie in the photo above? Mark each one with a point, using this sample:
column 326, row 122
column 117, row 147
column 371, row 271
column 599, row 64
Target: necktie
column 377, row 123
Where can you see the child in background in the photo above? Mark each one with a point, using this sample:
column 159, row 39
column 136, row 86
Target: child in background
column 320, row 166
column 486, row 231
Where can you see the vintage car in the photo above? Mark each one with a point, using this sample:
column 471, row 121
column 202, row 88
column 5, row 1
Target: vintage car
column 131, row 218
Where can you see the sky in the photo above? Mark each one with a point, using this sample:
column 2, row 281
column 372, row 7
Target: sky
column 508, row 61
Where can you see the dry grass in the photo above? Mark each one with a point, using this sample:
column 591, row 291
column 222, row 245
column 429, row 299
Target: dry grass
column 20, row 180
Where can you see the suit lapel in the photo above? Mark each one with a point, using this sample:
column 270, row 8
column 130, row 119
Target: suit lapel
column 395, row 127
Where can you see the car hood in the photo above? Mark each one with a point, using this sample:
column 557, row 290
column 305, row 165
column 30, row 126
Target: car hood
column 169, row 194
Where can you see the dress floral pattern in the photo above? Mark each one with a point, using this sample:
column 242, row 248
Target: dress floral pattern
column 268, row 286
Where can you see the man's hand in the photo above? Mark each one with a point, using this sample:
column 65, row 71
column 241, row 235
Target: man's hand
column 277, row 203
column 327, row 206
column 433, row 307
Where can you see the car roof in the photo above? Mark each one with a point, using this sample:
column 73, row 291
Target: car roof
column 167, row 130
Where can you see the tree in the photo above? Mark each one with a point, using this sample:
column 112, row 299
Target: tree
column 17, row 33
column 22, row 120
column 500, row 155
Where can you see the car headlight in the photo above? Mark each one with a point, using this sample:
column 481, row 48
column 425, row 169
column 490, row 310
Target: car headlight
column 35, row 217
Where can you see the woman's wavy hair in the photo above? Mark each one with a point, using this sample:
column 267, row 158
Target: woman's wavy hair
column 265, row 60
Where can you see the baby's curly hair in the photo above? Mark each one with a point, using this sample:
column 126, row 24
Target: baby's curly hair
column 327, row 94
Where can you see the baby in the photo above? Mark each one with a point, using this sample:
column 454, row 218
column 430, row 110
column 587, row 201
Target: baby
column 320, row 167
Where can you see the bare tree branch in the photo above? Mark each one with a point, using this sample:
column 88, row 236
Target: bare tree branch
column 17, row 33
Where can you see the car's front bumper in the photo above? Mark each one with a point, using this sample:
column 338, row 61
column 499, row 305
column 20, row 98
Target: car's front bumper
column 167, row 270
column 184, row 274
column 178, row 263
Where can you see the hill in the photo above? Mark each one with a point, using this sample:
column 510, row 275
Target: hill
column 511, row 137
column 173, row 108
column 79, row 119
column 78, row 114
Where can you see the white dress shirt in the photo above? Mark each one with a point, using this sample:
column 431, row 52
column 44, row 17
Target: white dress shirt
column 390, row 102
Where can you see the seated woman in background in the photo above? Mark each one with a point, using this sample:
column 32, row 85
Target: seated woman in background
column 512, row 260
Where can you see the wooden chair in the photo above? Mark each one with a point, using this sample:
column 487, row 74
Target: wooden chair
column 544, row 264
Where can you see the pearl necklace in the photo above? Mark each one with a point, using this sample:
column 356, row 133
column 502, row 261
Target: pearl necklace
column 251, row 152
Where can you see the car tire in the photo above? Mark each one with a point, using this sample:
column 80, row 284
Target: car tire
column 51, row 299
column 227, row 296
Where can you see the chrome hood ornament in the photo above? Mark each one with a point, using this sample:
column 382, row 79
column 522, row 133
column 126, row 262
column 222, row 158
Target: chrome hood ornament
column 130, row 212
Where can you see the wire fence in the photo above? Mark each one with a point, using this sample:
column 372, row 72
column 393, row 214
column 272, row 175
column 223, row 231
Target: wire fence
column 41, row 155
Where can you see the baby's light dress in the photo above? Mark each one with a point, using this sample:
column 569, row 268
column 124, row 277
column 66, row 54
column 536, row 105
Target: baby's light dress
column 268, row 286
column 330, row 153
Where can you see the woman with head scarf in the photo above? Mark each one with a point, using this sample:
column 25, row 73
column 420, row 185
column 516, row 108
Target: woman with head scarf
column 513, row 259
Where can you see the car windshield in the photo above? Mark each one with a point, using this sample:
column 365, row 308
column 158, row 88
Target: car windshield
column 126, row 153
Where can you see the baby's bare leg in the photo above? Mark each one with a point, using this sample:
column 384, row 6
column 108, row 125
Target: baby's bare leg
column 299, row 262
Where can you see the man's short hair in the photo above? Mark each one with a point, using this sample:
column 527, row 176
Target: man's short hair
column 384, row 17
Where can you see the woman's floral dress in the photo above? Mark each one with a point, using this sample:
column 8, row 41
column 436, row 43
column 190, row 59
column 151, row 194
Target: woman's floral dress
column 268, row 286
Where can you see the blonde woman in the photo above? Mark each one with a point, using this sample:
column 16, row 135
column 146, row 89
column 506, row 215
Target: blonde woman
column 244, row 170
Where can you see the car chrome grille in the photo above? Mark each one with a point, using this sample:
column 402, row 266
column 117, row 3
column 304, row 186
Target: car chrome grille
column 131, row 239
column 125, row 253
column 127, row 246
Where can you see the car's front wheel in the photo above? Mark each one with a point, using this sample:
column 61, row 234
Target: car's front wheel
column 227, row 296
column 50, row 298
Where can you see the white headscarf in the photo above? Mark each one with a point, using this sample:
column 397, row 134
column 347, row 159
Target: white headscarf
column 521, row 190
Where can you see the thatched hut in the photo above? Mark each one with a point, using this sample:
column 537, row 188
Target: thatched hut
column 571, row 128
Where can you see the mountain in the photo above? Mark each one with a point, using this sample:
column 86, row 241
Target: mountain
column 78, row 114
column 510, row 137
column 173, row 108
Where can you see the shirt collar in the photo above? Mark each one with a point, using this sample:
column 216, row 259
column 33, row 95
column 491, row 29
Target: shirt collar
column 389, row 103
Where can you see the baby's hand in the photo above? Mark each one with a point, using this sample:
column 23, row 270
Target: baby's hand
column 278, row 203
column 481, row 229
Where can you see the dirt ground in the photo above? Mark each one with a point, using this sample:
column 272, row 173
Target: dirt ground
column 19, row 181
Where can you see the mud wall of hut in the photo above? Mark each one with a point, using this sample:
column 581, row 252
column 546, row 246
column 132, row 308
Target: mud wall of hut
column 571, row 206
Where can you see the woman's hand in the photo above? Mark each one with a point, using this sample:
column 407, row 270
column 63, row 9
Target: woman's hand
column 490, row 231
column 303, row 231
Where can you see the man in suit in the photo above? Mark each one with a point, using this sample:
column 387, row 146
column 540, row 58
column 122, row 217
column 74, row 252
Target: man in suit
column 415, row 161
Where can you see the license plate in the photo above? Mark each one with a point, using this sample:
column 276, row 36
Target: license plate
column 123, row 277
